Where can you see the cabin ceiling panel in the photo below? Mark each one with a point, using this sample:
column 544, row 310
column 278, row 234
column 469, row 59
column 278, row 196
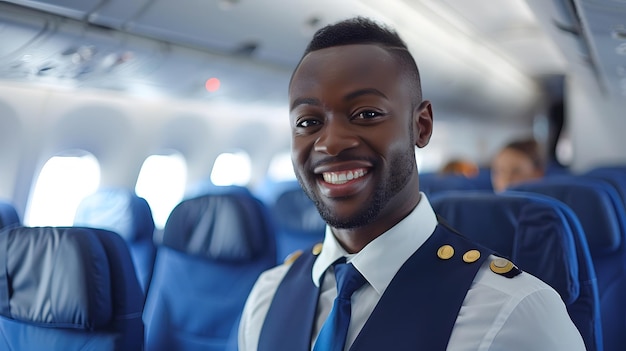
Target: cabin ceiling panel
column 243, row 27
column 14, row 35
column 508, row 28
column 249, row 41
column 70, row 8
column 605, row 23
column 116, row 14
column 588, row 34
column 559, row 23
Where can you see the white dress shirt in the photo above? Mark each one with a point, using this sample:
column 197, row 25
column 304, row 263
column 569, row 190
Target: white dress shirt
column 498, row 313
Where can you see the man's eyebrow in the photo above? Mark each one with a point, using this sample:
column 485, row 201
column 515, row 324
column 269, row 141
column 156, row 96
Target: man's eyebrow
column 361, row 92
column 353, row 95
column 305, row 101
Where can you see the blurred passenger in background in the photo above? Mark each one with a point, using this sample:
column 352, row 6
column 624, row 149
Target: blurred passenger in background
column 459, row 166
column 517, row 162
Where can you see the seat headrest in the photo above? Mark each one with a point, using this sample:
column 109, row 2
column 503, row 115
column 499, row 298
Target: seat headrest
column 594, row 203
column 533, row 233
column 117, row 210
column 616, row 176
column 55, row 277
column 435, row 183
column 294, row 212
column 225, row 227
column 8, row 215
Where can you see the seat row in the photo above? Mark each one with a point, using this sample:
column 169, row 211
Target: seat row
column 214, row 246
column 185, row 293
column 592, row 210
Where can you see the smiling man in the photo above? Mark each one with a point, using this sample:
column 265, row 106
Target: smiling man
column 388, row 276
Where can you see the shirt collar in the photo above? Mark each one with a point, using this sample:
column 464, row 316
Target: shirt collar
column 393, row 247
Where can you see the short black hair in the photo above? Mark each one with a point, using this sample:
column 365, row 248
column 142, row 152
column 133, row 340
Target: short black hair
column 361, row 30
column 358, row 30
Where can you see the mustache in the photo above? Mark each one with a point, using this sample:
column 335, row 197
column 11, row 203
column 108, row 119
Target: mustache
column 340, row 158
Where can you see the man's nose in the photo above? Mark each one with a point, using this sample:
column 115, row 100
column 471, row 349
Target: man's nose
column 336, row 137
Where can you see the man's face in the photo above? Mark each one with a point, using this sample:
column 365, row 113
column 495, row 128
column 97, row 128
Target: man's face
column 353, row 139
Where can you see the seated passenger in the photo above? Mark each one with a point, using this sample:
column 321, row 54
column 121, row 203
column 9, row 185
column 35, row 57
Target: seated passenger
column 517, row 162
column 460, row 166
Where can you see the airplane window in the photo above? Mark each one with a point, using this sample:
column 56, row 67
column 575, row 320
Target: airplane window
column 281, row 168
column 63, row 182
column 161, row 181
column 232, row 169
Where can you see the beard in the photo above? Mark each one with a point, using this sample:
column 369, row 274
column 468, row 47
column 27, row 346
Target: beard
column 394, row 179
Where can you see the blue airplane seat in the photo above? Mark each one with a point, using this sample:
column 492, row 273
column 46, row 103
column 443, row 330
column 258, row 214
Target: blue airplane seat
column 615, row 175
column 123, row 212
column 214, row 248
column 68, row 288
column 542, row 236
column 483, row 179
column 600, row 211
column 8, row 215
column 298, row 224
column 434, row 183
column 555, row 169
column 205, row 187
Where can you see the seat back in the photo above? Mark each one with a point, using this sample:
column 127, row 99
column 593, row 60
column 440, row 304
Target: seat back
column 542, row 237
column 214, row 248
column 298, row 224
column 125, row 213
column 435, row 183
column 8, row 215
column 68, row 288
column 597, row 205
column 615, row 175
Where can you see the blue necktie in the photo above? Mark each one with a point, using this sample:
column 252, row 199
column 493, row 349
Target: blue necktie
column 332, row 337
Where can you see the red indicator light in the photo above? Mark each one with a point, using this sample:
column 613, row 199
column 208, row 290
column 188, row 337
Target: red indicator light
column 212, row 84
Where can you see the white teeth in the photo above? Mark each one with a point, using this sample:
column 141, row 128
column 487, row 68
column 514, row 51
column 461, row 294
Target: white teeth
column 343, row 177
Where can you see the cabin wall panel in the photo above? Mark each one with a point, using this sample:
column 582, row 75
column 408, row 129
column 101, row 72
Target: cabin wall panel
column 458, row 136
column 596, row 124
column 11, row 130
column 29, row 106
column 194, row 137
column 99, row 124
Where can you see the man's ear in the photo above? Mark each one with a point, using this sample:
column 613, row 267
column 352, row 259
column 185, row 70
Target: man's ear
column 423, row 123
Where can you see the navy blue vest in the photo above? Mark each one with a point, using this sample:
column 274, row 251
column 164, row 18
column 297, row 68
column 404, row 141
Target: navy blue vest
column 417, row 311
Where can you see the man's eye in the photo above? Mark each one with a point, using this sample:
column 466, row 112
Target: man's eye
column 307, row 123
column 368, row 114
